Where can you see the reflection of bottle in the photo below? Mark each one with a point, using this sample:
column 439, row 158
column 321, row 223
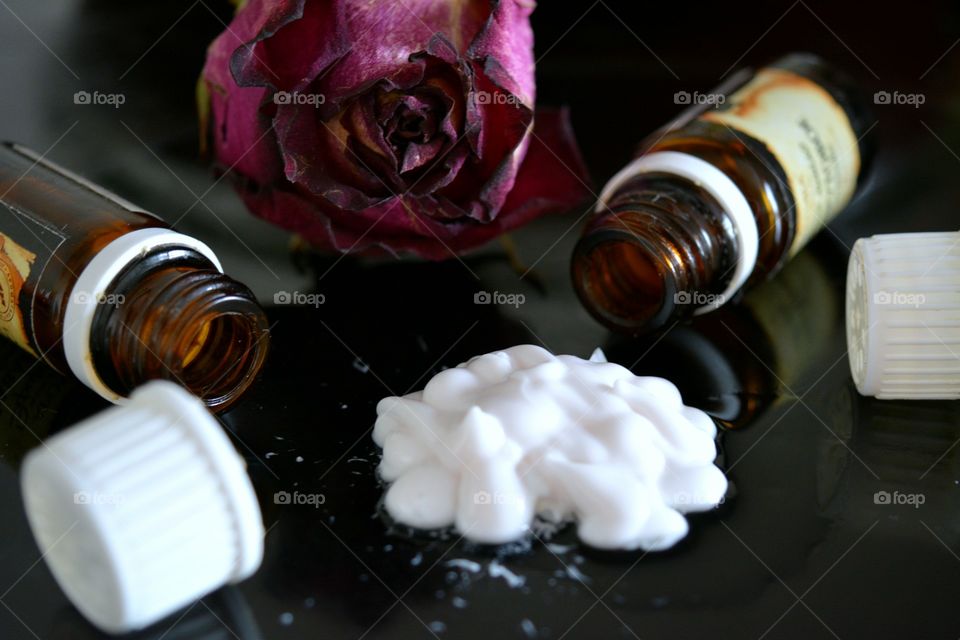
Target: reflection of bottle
column 91, row 284
column 735, row 362
column 723, row 199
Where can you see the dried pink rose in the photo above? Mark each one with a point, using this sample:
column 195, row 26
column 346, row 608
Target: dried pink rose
column 406, row 126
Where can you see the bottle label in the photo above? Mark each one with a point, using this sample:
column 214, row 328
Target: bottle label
column 15, row 265
column 808, row 133
column 19, row 260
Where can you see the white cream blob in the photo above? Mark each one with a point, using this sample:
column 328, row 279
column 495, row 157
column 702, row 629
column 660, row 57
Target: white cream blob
column 519, row 433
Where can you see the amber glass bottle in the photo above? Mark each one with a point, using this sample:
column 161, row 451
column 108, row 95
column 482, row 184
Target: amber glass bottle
column 94, row 286
column 724, row 196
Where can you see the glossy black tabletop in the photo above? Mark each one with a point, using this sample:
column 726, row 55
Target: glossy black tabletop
column 804, row 545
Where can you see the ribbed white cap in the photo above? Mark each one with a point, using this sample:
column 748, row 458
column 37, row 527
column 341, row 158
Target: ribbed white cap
column 903, row 315
column 143, row 508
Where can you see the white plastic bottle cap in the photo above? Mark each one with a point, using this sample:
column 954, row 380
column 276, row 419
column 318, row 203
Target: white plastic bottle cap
column 143, row 508
column 903, row 315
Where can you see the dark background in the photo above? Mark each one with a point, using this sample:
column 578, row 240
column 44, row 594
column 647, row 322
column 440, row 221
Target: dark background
column 799, row 549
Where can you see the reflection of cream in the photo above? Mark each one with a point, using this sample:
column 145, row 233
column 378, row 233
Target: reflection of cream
column 515, row 434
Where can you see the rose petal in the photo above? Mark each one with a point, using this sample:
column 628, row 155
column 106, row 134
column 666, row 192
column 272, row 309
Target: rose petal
column 552, row 179
column 553, row 176
column 241, row 115
column 384, row 34
column 368, row 140
column 503, row 128
column 318, row 156
column 508, row 38
column 418, row 154
column 242, row 136
column 286, row 43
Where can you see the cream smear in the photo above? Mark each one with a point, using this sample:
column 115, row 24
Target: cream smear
column 520, row 434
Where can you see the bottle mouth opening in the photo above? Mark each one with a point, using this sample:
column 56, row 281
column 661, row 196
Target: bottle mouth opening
column 185, row 323
column 222, row 357
column 622, row 282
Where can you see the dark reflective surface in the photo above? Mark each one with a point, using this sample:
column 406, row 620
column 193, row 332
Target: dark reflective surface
column 803, row 547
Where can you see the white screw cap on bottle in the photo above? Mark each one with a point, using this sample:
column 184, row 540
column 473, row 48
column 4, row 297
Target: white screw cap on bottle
column 143, row 508
column 903, row 315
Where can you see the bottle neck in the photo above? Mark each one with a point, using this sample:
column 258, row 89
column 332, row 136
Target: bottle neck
column 661, row 248
column 172, row 315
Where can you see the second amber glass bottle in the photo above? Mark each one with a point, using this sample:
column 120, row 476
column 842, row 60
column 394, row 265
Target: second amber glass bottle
column 96, row 287
column 724, row 196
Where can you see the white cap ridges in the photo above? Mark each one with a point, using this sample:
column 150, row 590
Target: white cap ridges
column 903, row 315
column 143, row 508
